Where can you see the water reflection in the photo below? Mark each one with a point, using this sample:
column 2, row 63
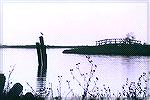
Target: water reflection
column 41, row 86
column 111, row 71
column 134, row 66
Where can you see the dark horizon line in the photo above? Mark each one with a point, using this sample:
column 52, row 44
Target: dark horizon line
column 34, row 46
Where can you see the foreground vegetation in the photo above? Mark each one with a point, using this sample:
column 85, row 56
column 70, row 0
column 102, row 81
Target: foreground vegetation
column 91, row 90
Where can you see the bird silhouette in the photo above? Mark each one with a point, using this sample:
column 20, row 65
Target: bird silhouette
column 41, row 33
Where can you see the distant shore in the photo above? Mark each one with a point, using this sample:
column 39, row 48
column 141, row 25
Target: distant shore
column 34, row 46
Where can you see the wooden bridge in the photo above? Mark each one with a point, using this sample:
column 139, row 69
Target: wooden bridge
column 117, row 41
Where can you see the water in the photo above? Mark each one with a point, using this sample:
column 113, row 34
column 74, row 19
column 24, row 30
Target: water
column 111, row 70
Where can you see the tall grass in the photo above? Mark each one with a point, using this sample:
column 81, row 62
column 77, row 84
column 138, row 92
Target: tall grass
column 90, row 89
column 9, row 82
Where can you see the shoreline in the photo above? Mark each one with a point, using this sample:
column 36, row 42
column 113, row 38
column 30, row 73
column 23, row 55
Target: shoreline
column 34, row 46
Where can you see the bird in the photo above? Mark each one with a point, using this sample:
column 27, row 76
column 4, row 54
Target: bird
column 41, row 33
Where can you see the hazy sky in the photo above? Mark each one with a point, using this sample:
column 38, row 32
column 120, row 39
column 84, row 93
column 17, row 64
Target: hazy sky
column 72, row 23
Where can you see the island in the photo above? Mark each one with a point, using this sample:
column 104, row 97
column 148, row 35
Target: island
column 117, row 46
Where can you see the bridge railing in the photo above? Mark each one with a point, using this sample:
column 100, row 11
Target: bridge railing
column 117, row 41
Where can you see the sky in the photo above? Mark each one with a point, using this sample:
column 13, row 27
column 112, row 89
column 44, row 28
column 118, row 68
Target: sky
column 77, row 23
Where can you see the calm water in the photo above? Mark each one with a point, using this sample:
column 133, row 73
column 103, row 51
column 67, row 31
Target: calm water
column 111, row 70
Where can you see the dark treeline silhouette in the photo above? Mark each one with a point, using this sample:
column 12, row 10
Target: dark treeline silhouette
column 17, row 46
column 34, row 46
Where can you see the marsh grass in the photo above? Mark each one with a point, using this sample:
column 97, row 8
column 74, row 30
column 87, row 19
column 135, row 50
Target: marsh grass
column 90, row 89
column 130, row 90
column 9, row 82
column 137, row 90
